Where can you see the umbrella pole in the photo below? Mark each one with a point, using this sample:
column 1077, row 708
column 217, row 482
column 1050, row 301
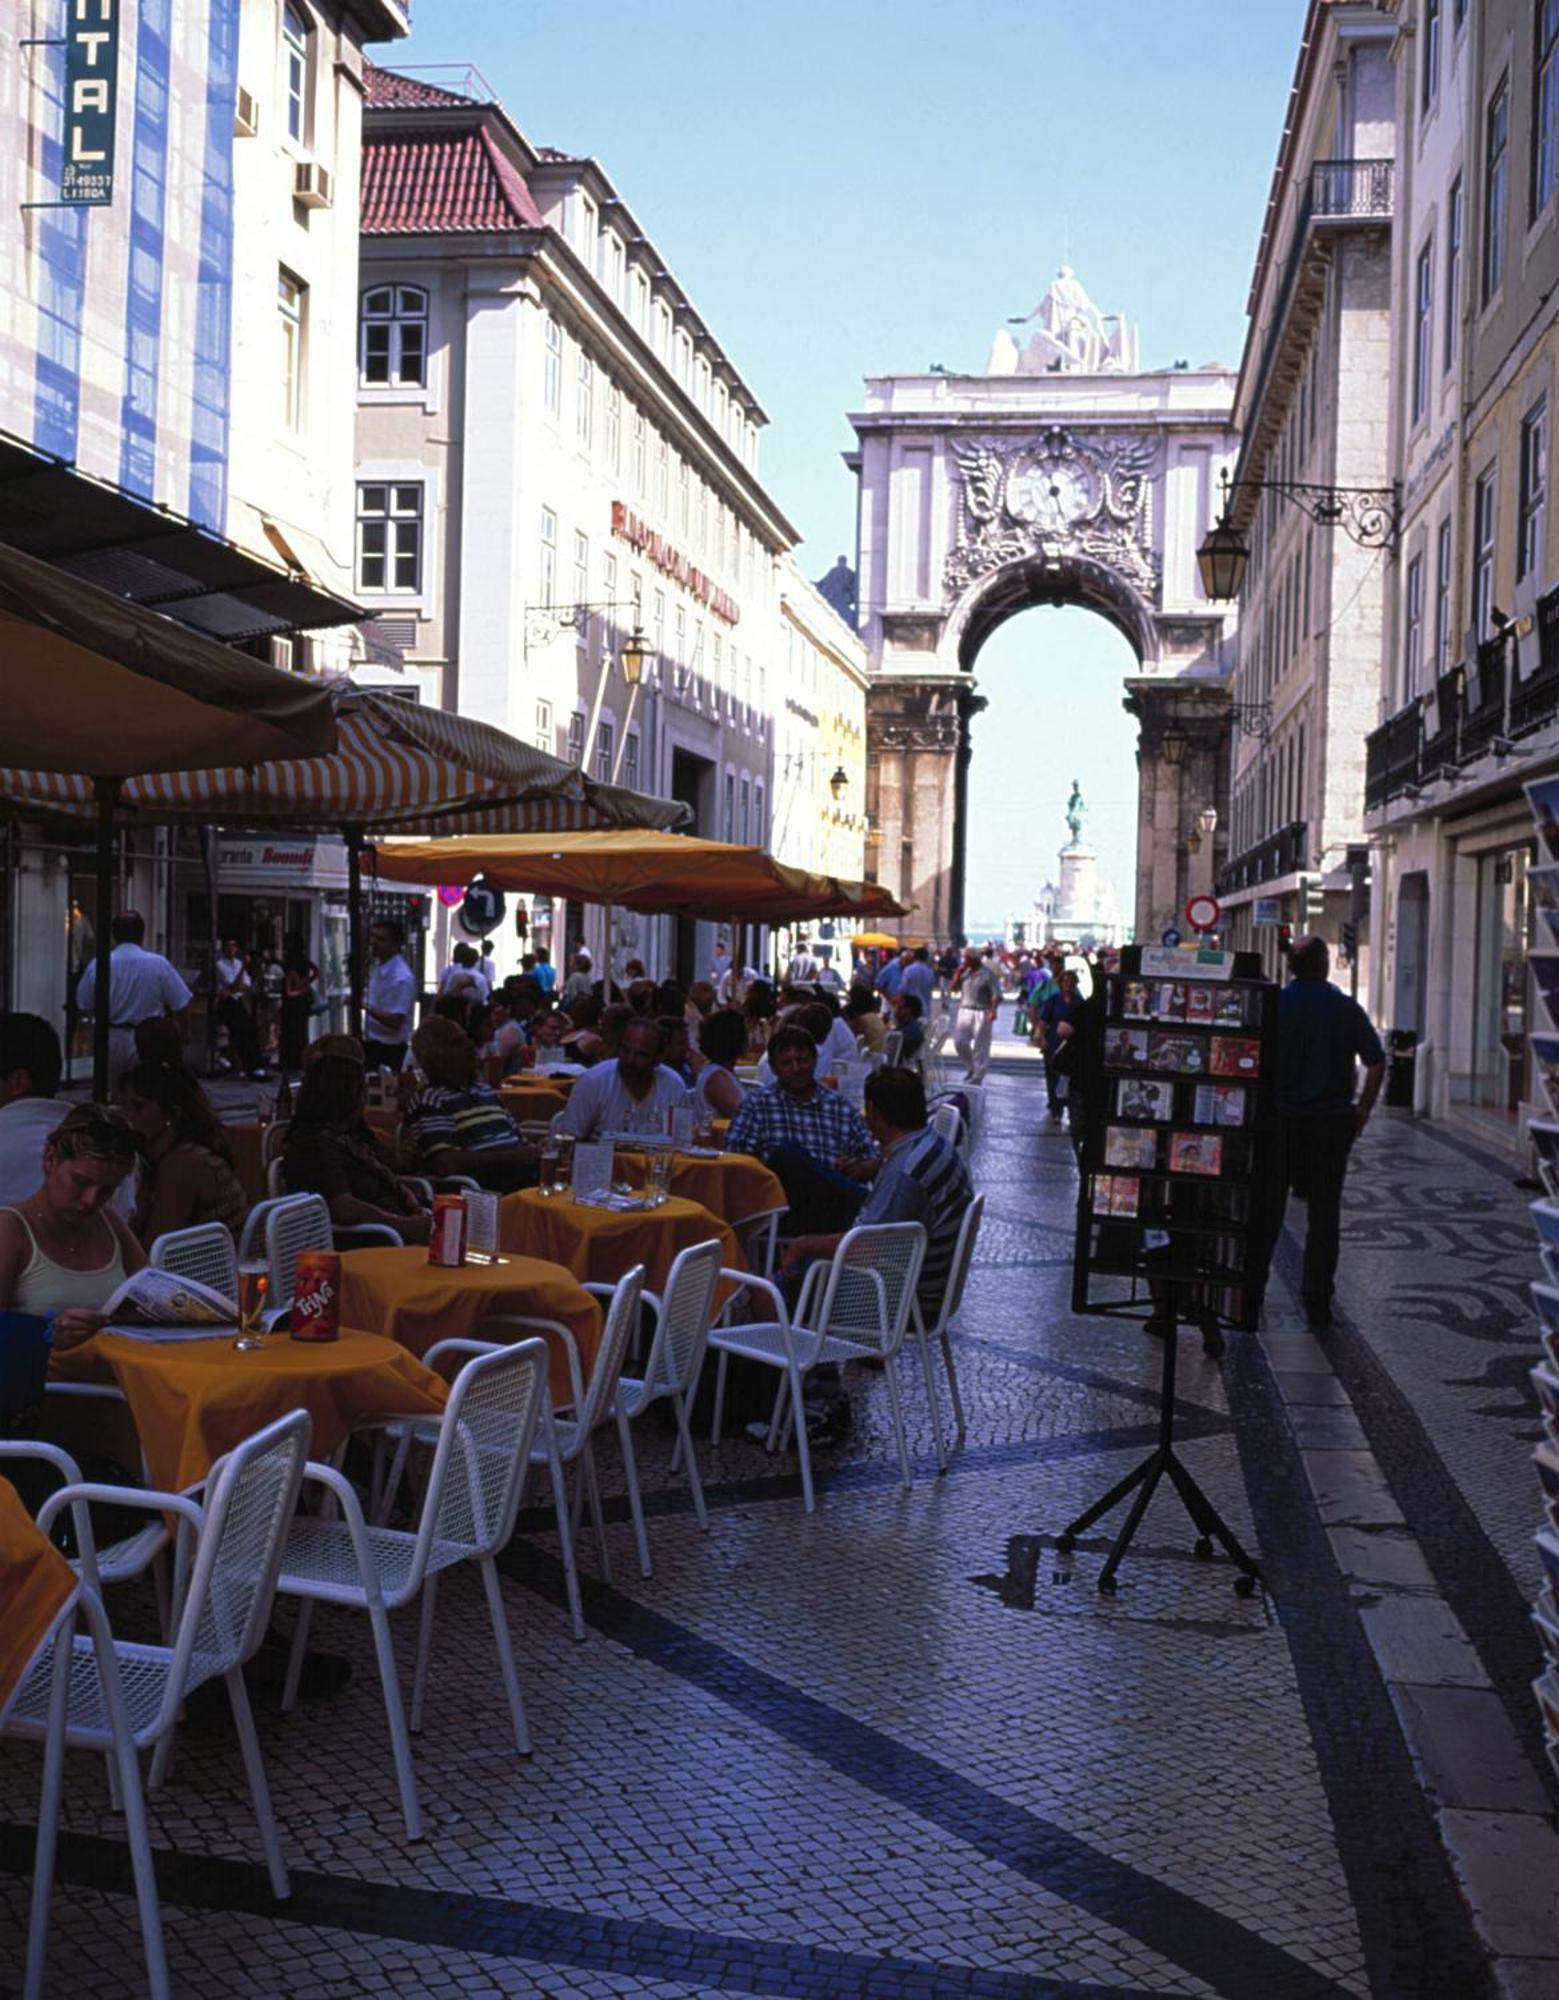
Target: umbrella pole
column 208, row 854
column 106, row 792
column 609, row 986
column 354, row 927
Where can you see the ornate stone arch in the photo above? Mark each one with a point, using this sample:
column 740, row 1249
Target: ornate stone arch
column 1017, row 586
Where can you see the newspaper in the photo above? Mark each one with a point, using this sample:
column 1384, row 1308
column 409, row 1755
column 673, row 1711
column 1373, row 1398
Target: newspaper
column 160, row 1305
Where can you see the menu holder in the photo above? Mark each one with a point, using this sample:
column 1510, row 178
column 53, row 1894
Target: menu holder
column 481, row 1228
column 593, row 1168
column 683, row 1119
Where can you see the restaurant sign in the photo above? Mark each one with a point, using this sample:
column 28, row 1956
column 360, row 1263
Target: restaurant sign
column 91, row 87
column 670, row 561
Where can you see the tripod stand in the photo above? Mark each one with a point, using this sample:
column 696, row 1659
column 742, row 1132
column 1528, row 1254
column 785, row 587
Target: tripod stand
column 1143, row 1480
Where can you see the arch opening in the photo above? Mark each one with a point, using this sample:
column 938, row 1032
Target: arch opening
column 1057, row 582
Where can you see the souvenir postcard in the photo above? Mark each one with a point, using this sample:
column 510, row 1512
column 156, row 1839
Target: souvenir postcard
column 1550, row 1262
column 1140, row 1097
column 1546, row 1215
column 1547, row 1630
column 1545, row 1060
column 1546, row 1299
column 1230, row 1010
column 1130, row 1146
column 1544, row 884
column 1545, row 970
column 1543, row 797
column 1137, row 1000
column 1115, row 1194
column 1199, row 1002
column 1546, row 1461
column 1125, row 1048
column 1236, row 1056
column 1548, row 1549
column 1219, row 1104
column 1546, row 1383
column 1186, row 1053
column 1544, row 1134
column 1195, row 1153
column 1169, row 1000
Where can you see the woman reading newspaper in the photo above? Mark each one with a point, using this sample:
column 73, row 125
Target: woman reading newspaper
column 63, row 1251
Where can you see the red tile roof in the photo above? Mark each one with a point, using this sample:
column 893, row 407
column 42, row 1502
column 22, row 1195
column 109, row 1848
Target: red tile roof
column 388, row 88
column 417, row 183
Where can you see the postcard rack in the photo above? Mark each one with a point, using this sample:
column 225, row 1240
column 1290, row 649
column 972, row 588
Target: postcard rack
column 1169, row 1226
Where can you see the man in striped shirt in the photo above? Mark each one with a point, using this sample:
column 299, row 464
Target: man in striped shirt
column 456, row 1125
column 922, row 1179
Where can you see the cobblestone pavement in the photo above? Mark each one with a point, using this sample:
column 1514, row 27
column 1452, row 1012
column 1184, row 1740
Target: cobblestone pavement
column 902, row 1747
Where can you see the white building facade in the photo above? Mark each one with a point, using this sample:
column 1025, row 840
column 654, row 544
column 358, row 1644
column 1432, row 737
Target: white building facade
column 553, row 451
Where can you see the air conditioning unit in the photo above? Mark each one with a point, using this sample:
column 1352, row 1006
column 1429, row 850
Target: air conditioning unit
column 246, row 114
column 311, row 185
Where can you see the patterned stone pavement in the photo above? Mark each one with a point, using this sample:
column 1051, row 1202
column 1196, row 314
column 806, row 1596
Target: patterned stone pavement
column 904, row 1748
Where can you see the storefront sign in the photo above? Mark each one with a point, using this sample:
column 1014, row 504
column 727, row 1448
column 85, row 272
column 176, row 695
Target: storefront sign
column 261, row 863
column 91, row 86
column 670, row 561
column 1265, row 912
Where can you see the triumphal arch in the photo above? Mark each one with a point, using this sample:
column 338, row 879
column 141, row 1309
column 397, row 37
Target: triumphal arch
column 1065, row 474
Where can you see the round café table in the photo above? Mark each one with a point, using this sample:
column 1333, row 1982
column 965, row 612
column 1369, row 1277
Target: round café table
column 732, row 1186
column 601, row 1244
column 398, row 1292
column 525, row 1099
column 36, row 1583
column 193, row 1400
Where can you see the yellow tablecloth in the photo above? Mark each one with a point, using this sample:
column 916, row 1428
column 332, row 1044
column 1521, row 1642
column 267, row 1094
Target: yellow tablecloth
column 601, row 1244
column 192, row 1400
column 416, row 1303
column 731, row 1186
column 532, row 1100
column 35, row 1581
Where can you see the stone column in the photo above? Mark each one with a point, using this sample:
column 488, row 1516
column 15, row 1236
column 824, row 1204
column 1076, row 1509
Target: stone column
column 1177, row 785
column 914, row 728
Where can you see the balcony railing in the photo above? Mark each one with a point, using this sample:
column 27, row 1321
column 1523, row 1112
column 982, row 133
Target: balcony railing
column 1360, row 188
column 1470, row 714
column 1281, row 853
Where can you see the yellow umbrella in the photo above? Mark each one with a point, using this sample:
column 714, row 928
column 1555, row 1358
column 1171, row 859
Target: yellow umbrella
column 874, row 941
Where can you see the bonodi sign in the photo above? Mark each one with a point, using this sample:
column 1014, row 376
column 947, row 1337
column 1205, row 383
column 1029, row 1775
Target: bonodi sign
column 91, row 88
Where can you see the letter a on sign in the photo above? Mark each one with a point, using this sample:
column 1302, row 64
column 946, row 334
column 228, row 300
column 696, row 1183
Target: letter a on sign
column 91, row 87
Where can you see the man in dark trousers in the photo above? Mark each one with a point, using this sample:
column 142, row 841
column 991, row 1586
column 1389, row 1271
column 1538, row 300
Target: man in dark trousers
column 1321, row 1035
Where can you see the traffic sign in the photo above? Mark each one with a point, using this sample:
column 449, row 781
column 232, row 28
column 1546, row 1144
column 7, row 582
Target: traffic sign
column 451, row 894
column 1171, row 937
column 481, row 911
column 1202, row 913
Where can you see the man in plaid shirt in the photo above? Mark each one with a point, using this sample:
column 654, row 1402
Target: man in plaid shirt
column 814, row 1141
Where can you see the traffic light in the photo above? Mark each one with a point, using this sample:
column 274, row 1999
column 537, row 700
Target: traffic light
column 1310, row 897
column 1285, row 937
column 1350, row 941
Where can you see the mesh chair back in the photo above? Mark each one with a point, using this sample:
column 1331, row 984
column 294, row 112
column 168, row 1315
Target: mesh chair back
column 871, row 1284
column 301, row 1222
column 252, row 1242
column 892, row 1047
column 484, row 1447
column 275, row 1179
column 686, row 1308
column 273, row 1141
column 251, row 1496
column 205, row 1253
column 963, row 1257
column 622, row 1316
column 947, row 1123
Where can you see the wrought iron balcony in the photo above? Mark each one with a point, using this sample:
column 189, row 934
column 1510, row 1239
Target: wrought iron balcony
column 1393, row 754
column 1348, row 188
column 1281, row 853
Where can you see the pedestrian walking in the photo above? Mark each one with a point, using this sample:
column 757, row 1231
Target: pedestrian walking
column 979, row 998
column 300, row 976
column 142, row 986
column 1055, row 1011
column 388, row 1015
column 1321, row 1036
column 803, row 968
column 235, row 1008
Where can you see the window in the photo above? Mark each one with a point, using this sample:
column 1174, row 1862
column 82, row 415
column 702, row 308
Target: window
column 662, row 476
column 703, row 518
column 544, row 738
column 1429, row 89
column 1442, row 600
column 605, row 742
column 746, row 818
column 679, row 644
column 760, row 826
column 614, row 428
column 552, row 366
column 1533, row 498
column 640, row 452
column 1545, row 106
column 582, row 579
column 641, row 303
column 588, row 221
column 609, row 585
column 730, row 807
column 576, row 738
column 1496, row 187
column 1453, row 268
column 1423, row 327
column 612, row 267
column 389, row 538
column 658, row 626
column 393, row 337
column 631, row 760
column 684, row 494
column 1413, row 651
column 295, row 73
column 549, row 557
column 1483, row 498
column 291, row 301
column 584, row 399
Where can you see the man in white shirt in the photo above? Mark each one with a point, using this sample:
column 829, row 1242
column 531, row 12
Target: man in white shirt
column 234, row 1013
column 979, row 997
column 632, row 1094
column 463, row 978
column 391, row 1002
column 30, row 1066
column 580, row 980
column 487, row 965
column 802, row 970
column 142, row 986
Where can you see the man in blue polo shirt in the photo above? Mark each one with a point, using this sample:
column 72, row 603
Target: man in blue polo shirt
column 1321, row 1034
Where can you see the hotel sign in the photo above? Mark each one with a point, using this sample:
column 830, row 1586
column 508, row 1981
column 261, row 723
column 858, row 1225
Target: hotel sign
column 91, row 85
column 670, row 561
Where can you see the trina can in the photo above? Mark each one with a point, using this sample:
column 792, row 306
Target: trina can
column 316, row 1296
column 447, row 1243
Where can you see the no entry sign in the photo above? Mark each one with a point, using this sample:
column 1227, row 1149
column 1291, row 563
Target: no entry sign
column 1202, row 913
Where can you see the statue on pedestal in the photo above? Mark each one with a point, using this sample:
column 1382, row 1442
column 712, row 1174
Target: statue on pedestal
column 1074, row 811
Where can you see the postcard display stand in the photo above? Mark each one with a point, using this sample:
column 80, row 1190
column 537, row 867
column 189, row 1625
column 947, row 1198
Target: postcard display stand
column 1543, row 795
column 1167, row 1215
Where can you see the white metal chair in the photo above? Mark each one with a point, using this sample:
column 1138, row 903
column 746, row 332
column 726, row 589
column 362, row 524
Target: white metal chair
column 682, row 1319
column 947, row 1123
column 853, row 1308
column 951, row 1300
column 205, row 1253
column 251, row 1243
column 273, row 1140
column 98, row 1567
column 93, row 1692
column 892, row 1047
column 758, row 1234
column 484, row 1443
column 275, row 1179
column 302, row 1222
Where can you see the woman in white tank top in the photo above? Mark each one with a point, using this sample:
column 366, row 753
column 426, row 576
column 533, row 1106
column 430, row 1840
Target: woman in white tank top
column 62, row 1251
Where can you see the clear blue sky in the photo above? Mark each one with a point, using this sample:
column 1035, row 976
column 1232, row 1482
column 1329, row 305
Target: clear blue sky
column 866, row 186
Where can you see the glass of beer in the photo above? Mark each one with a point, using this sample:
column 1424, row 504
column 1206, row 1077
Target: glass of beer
column 550, row 1154
column 254, row 1283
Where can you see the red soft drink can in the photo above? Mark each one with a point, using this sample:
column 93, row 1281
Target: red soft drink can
column 316, row 1296
column 447, row 1243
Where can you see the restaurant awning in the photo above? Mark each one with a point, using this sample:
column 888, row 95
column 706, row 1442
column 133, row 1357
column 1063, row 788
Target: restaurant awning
column 658, row 874
column 147, row 555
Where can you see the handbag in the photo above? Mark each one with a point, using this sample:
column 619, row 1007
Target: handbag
column 25, row 1341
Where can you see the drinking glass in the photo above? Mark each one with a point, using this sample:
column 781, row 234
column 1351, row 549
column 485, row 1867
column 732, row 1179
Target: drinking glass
column 551, row 1153
column 658, row 1176
column 565, row 1179
column 254, row 1282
